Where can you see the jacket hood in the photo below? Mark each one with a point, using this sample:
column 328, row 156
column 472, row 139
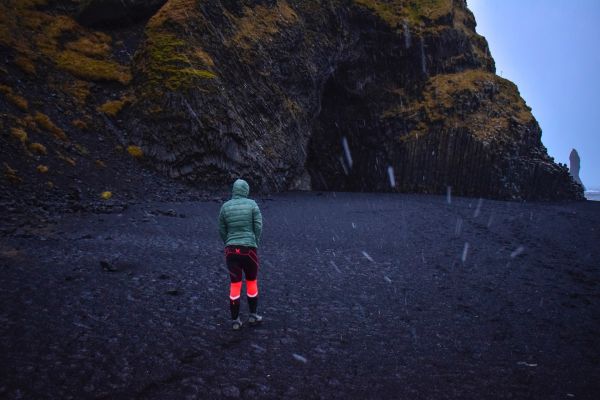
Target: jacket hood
column 240, row 189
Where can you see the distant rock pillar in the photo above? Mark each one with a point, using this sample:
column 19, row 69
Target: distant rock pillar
column 575, row 162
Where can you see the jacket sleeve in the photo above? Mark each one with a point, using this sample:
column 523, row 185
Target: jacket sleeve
column 222, row 225
column 257, row 222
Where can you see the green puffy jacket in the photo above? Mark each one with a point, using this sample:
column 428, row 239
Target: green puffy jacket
column 240, row 221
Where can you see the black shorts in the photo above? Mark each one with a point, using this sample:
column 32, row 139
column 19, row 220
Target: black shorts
column 241, row 259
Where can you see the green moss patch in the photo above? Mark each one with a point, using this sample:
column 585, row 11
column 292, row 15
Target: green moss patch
column 479, row 101
column 46, row 123
column 39, row 36
column 169, row 62
column 396, row 12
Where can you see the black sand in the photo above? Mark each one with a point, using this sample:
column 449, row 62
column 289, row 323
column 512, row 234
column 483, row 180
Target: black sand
column 364, row 296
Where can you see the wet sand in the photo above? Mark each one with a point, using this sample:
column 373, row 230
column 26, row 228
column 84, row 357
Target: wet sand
column 375, row 296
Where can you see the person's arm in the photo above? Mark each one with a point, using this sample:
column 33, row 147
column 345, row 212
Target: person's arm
column 257, row 223
column 222, row 225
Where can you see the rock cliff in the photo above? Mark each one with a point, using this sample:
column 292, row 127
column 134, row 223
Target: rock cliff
column 337, row 95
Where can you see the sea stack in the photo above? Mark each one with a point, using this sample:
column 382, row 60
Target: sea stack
column 575, row 165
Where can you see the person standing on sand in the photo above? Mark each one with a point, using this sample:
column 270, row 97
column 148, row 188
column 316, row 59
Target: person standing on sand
column 240, row 227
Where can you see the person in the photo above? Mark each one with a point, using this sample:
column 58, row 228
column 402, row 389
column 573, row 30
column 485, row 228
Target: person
column 240, row 227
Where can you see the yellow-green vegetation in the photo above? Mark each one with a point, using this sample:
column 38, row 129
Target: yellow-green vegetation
column 174, row 12
column 38, row 148
column 66, row 159
column 19, row 101
column 498, row 99
column 106, row 195
column 36, row 36
column 154, row 109
column 46, row 123
column 28, row 122
column 168, row 60
column 78, row 89
column 397, row 12
column 92, row 69
column 11, row 174
column 261, row 22
column 26, row 64
column 81, row 149
column 95, row 44
column 42, row 169
column 19, row 134
column 135, row 151
column 112, row 108
column 80, row 124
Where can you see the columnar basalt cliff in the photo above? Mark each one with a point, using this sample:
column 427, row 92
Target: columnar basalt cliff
column 330, row 95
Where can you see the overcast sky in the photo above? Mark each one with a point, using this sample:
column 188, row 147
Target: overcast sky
column 551, row 50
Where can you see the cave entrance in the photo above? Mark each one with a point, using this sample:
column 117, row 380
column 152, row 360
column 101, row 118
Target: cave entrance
column 343, row 152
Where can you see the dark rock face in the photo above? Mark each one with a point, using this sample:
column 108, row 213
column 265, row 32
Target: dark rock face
column 117, row 12
column 575, row 166
column 269, row 90
column 361, row 95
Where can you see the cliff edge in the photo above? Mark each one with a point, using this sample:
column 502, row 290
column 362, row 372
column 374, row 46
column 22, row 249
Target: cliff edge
column 325, row 95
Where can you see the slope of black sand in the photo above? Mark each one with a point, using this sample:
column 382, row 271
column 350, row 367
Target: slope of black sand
column 364, row 296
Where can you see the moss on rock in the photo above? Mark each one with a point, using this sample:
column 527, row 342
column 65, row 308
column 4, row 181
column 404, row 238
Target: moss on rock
column 112, row 107
column 396, row 12
column 168, row 62
column 135, row 151
column 38, row 148
column 46, row 123
column 167, row 58
column 92, row 69
column 19, row 134
column 80, row 124
column 35, row 35
column 11, row 174
column 261, row 22
column 17, row 100
column 481, row 102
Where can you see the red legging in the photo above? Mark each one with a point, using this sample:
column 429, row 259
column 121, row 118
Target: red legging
column 242, row 259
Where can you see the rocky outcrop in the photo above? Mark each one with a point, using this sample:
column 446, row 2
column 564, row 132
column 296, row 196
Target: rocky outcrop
column 362, row 95
column 575, row 166
column 272, row 90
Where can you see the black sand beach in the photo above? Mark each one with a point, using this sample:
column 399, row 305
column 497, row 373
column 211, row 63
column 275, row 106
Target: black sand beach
column 375, row 296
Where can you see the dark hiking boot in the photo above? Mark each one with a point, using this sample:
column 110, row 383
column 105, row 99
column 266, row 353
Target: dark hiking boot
column 254, row 318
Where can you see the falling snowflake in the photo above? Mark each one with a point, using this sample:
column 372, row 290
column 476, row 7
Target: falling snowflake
column 367, row 256
column 335, row 266
column 518, row 251
column 465, row 252
column 391, row 176
column 478, row 209
column 300, row 358
column 347, row 151
column 458, row 228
